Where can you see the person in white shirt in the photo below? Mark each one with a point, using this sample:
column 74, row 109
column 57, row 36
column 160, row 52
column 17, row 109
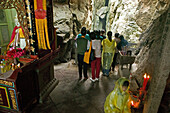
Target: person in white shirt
column 95, row 64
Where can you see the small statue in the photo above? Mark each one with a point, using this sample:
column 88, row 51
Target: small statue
column 17, row 37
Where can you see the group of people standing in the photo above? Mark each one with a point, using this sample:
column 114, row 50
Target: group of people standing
column 105, row 52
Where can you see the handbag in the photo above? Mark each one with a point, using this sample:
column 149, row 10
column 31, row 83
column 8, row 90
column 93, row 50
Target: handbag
column 92, row 55
column 89, row 55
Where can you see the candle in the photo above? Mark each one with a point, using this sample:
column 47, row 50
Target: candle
column 146, row 78
column 18, row 65
column 144, row 81
column 13, row 67
column 132, row 103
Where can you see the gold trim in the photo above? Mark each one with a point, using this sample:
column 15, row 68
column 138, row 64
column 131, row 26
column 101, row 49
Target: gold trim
column 19, row 5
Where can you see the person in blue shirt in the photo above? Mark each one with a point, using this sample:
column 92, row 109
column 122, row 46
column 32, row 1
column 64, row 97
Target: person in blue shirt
column 122, row 43
column 102, row 32
column 98, row 37
column 86, row 36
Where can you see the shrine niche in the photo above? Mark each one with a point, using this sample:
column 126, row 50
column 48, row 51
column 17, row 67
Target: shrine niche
column 23, row 78
column 19, row 5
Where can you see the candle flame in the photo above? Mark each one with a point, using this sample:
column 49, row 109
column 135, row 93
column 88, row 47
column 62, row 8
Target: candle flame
column 148, row 76
column 132, row 103
column 145, row 75
column 136, row 104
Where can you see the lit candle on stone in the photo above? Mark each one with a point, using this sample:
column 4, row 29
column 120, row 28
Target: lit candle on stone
column 146, row 78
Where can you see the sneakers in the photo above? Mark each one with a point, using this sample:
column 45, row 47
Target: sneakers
column 97, row 79
column 93, row 80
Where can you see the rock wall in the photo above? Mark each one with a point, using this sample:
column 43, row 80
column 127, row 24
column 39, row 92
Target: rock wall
column 69, row 17
column 128, row 17
column 99, row 12
column 149, row 10
column 82, row 10
column 132, row 17
column 121, row 18
column 145, row 22
column 153, row 59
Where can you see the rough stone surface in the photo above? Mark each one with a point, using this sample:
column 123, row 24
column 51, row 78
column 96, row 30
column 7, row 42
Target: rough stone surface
column 153, row 59
column 62, row 19
column 82, row 10
column 102, row 12
column 165, row 103
column 99, row 3
column 132, row 17
column 98, row 14
column 121, row 18
column 69, row 17
column 149, row 10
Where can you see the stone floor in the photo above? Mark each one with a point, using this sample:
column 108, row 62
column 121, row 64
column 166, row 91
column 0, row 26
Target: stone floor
column 73, row 96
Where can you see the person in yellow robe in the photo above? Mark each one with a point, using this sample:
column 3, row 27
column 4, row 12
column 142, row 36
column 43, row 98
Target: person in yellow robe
column 109, row 46
column 119, row 101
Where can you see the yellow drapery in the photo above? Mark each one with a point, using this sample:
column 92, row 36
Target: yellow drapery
column 41, row 29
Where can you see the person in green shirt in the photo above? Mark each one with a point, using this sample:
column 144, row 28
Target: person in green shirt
column 82, row 41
